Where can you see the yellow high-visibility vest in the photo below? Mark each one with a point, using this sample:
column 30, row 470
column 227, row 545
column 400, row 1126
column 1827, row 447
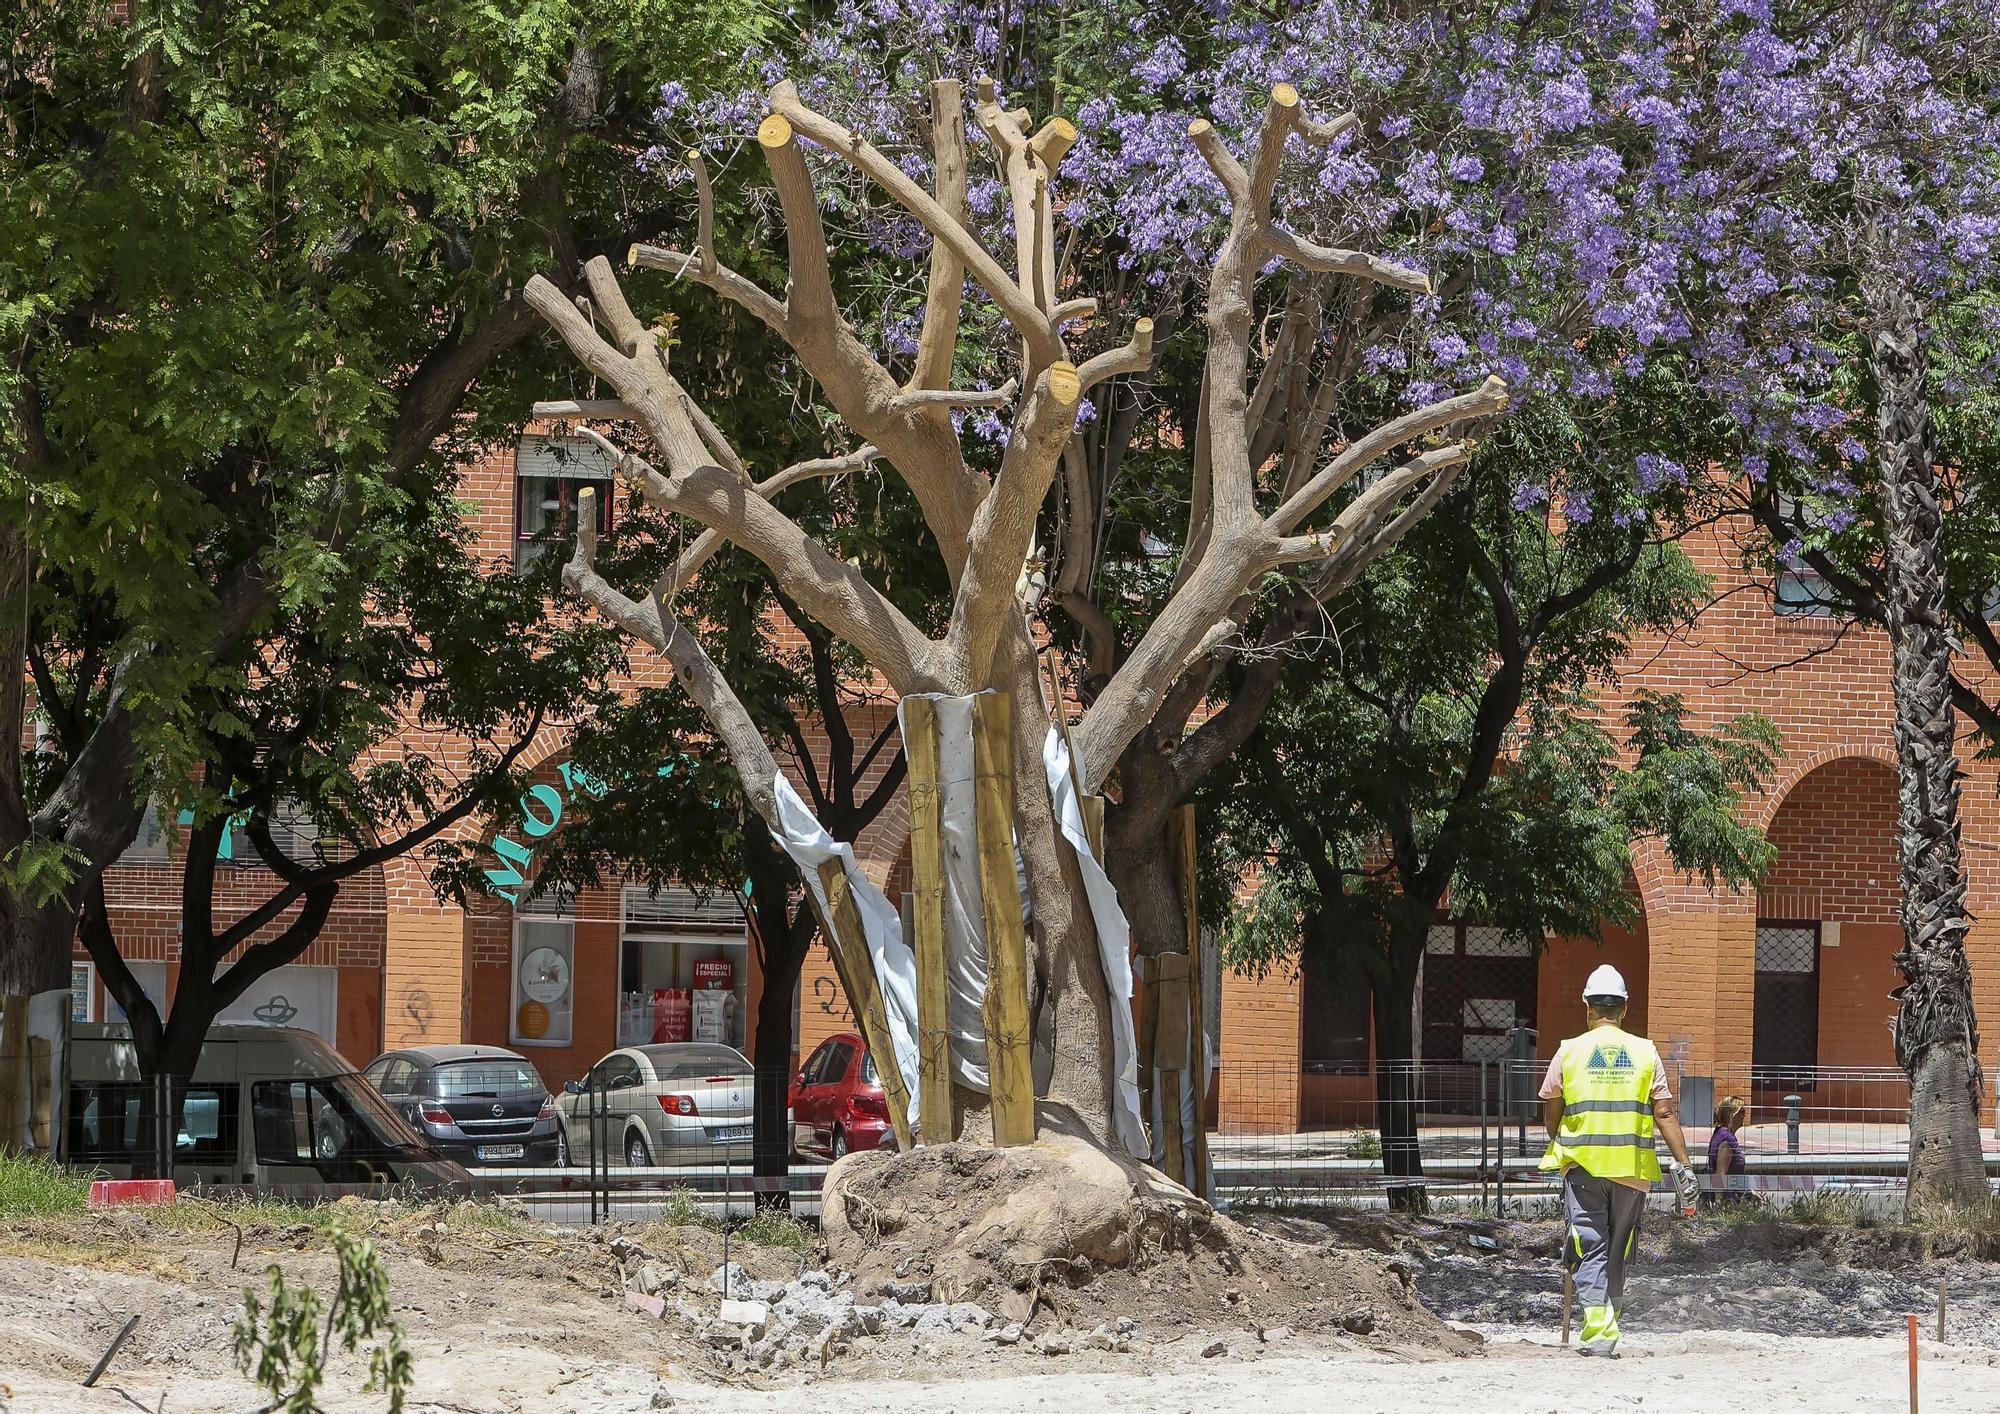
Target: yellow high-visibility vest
column 1607, row 1121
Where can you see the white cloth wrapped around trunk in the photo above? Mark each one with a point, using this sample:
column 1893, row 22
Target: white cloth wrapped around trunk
column 1114, row 943
column 809, row 845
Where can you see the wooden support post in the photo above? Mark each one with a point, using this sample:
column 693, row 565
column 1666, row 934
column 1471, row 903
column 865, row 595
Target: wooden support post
column 1149, row 1021
column 42, row 1130
column 848, row 943
column 1010, row 1071
column 1569, row 1288
column 1197, row 1001
column 13, row 1071
column 1170, row 1048
column 1093, row 825
column 920, row 744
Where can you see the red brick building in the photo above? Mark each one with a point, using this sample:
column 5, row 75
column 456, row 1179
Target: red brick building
column 1793, row 976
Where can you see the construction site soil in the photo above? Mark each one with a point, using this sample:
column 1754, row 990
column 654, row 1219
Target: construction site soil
column 1346, row 1312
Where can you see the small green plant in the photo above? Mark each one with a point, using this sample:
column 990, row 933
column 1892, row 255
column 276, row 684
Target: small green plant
column 283, row 1340
column 31, row 1187
column 768, row 1227
column 679, row 1208
column 1363, row 1144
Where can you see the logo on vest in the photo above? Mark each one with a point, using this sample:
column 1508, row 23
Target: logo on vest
column 1611, row 1058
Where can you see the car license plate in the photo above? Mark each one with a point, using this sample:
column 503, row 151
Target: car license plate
column 491, row 1153
column 733, row 1134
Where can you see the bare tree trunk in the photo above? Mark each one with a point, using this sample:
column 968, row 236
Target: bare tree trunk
column 1937, row 1035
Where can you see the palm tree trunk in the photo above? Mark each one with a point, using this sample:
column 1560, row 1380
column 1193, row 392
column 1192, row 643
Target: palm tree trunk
column 1937, row 1035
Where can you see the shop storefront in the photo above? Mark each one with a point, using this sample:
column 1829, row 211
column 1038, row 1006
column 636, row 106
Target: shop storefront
column 684, row 969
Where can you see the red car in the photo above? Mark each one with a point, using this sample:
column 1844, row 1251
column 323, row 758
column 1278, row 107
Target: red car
column 837, row 1100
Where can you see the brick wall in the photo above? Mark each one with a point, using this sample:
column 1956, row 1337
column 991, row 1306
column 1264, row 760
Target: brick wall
column 1259, row 1079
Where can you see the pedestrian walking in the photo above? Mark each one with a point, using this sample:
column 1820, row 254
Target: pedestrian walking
column 1605, row 1097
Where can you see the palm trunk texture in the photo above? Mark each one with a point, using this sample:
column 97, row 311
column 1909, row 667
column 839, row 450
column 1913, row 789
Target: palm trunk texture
column 1936, row 1033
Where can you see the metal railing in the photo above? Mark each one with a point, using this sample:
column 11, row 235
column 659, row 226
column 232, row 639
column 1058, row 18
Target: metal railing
column 1285, row 1135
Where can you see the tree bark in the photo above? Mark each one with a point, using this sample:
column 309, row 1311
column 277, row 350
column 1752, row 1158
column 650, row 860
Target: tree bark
column 1393, row 997
column 1936, row 1033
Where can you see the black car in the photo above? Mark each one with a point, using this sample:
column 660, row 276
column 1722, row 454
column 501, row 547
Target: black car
column 476, row 1104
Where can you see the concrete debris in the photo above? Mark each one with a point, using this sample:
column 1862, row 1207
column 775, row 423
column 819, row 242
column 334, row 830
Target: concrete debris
column 753, row 1316
column 768, row 1325
column 1361, row 1322
column 1214, row 1348
column 1275, row 1333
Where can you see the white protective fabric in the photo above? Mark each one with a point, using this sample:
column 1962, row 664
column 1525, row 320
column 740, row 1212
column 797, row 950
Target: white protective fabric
column 1114, row 943
column 964, row 923
column 809, row 845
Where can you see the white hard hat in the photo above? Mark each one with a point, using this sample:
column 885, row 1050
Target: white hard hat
column 1605, row 982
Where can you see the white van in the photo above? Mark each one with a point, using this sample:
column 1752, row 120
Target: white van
column 268, row 1106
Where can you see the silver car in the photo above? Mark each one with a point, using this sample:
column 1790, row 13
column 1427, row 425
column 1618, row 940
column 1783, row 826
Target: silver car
column 671, row 1104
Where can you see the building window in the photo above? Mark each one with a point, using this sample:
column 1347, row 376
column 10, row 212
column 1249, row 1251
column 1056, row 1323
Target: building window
column 1784, row 1040
column 684, row 968
column 149, row 846
column 1479, row 984
column 549, row 472
column 1803, row 594
column 544, row 994
column 82, row 992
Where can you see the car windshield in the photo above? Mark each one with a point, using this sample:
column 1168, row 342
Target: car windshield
column 689, row 1062
column 483, row 1079
column 329, row 1118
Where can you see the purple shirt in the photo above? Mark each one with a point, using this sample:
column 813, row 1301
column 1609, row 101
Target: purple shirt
column 1716, row 1139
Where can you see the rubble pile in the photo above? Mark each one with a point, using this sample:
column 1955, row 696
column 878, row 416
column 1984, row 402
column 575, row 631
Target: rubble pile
column 771, row 1325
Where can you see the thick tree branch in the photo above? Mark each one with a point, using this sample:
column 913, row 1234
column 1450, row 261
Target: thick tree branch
column 937, row 344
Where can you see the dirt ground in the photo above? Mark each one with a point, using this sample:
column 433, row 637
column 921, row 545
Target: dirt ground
column 1754, row 1317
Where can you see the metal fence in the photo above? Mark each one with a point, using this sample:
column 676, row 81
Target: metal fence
column 1285, row 1135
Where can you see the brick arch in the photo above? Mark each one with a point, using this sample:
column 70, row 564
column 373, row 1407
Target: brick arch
column 1836, row 868
column 1834, row 828
column 1773, row 800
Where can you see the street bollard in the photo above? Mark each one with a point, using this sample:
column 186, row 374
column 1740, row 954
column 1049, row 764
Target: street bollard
column 1792, row 1103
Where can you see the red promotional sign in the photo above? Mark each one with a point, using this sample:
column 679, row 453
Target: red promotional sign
column 714, row 975
column 672, row 1014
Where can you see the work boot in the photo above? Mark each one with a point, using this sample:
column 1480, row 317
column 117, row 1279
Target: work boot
column 1602, row 1349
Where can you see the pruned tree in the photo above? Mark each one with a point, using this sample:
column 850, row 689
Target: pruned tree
column 984, row 528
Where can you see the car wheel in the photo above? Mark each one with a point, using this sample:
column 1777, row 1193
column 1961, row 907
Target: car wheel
column 839, row 1143
column 636, row 1153
column 562, row 1146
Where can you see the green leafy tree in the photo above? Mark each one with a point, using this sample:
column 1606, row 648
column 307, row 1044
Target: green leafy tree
column 259, row 289
column 1458, row 738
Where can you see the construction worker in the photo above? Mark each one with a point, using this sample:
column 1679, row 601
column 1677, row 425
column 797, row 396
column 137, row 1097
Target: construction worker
column 1604, row 1098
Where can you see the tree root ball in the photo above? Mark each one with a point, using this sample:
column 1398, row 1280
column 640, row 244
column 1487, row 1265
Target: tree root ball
column 1001, row 1226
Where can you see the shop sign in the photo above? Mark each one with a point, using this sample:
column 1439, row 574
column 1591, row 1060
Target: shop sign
column 541, row 808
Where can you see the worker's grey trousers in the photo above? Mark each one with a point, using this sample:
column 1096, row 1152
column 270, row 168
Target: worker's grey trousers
column 1602, row 1236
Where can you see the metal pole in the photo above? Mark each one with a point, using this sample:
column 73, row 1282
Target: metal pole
column 1483, row 1065
column 1792, row 1103
column 163, row 1125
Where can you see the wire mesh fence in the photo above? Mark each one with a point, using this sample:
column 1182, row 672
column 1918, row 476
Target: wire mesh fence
column 1474, row 1129
column 1469, row 1132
